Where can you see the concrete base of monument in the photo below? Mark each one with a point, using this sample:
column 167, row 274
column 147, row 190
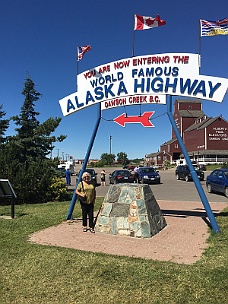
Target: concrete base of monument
column 131, row 210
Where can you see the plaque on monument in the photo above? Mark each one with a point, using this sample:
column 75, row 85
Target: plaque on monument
column 120, row 210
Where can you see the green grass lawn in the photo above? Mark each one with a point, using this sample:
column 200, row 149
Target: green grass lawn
column 32, row 273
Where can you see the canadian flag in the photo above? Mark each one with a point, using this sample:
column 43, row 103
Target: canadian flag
column 146, row 23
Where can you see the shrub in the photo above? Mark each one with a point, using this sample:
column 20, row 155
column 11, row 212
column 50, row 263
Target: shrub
column 57, row 191
column 225, row 165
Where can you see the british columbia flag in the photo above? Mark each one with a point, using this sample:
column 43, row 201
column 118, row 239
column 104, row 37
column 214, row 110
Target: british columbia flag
column 213, row 28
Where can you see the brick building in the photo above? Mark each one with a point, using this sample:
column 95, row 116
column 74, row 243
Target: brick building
column 205, row 138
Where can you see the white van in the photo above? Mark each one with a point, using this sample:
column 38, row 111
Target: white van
column 68, row 165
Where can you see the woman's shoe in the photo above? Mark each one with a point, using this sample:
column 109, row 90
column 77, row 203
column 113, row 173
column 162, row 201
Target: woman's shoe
column 84, row 230
column 91, row 230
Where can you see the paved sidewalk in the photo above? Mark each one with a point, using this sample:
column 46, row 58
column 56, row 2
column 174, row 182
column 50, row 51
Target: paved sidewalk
column 182, row 241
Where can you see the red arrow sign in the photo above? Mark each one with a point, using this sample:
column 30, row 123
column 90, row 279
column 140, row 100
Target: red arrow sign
column 144, row 119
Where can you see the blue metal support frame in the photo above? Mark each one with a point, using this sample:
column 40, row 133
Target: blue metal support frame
column 195, row 178
column 74, row 198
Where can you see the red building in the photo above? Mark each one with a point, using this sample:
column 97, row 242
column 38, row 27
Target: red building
column 157, row 159
column 205, row 138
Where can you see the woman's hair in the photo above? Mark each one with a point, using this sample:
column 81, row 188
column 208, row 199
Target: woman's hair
column 86, row 174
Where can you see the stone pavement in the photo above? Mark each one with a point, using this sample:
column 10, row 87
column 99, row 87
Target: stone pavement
column 182, row 241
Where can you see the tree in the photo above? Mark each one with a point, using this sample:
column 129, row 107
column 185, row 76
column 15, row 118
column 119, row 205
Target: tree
column 107, row 159
column 4, row 124
column 122, row 158
column 24, row 161
column 34, row 139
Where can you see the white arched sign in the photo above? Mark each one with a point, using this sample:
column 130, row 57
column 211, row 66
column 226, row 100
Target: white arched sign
column 143, row 80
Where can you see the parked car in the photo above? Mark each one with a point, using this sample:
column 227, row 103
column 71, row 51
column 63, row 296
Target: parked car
column 183, row 172
column 148, row 175
column 217, row 181
column 91, row 172
column 121, row 176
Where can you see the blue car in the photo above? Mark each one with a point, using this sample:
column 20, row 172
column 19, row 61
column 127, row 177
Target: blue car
column 217, row 181
column 148, row 175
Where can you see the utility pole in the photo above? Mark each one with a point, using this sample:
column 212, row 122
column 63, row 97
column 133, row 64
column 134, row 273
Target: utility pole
column 110, row 138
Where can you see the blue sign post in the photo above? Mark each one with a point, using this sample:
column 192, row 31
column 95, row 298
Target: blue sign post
column 74, row 198
column 195, row 178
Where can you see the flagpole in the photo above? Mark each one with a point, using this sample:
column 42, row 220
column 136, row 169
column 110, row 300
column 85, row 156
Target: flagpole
column 133, row 37
column 77, row 72
column 199, row 45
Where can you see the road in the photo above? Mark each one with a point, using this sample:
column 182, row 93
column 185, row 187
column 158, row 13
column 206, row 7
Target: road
column 170, row 189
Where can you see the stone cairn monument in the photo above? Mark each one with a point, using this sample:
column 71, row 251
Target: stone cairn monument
column 131, row 210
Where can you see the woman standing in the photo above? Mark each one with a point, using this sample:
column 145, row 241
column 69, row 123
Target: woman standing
column 103, row 173
column 86, row 195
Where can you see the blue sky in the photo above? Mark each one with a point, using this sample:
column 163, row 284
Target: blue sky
column 40, row 37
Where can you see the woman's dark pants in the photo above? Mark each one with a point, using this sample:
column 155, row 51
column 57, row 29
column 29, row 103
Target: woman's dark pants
column 87, row 209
